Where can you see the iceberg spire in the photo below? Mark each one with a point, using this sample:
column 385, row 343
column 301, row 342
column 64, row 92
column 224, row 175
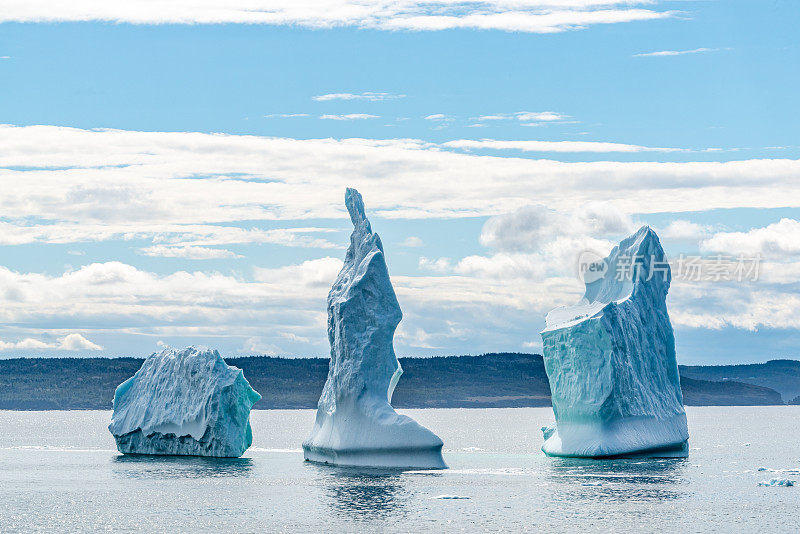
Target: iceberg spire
column 355, row 423
column 610, row 360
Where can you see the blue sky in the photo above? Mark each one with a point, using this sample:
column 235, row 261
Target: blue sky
column 177, row 176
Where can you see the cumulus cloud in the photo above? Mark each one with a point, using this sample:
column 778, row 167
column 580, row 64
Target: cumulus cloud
column 125, row 182
column 369, row 96
column 412, row 242
column 777, row 240
column 530, row 227
column 553, row 146
column 439, row 265
column 439, row 117
column 285, row 115
column 169, row 234
column 311, row 273
column 120, row 299
column 349, row 117
column 70, row 342
column 536, row 16
column 683, row 229
column 535, row 242
column 77, row 342
column 666, row 53
column 525, row 116
column 278, row 308
column 188, row 252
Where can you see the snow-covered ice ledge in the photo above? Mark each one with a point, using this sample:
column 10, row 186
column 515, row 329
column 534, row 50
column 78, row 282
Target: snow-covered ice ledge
column 187, row 402
column 355, row 423
column 610, row 360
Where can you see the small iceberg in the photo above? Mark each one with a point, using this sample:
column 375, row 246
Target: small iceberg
column 450, row 497
column 355, row 423
column 187, row 402
column 610, row 361
column 777, row 482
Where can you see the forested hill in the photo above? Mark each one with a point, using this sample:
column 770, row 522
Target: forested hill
column 490, row 380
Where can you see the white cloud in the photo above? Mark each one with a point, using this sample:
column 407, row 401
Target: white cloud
column 285, row 115
column 256, row 345
column 27, row 344
column 294, row 337
column 438, row 265
column 553, row 146
column 112, row 184
column 349, row 117
column 70, row 342
column 369, row 96
column 529, row 228
column 682, row 229
column 545, row 116
column 503, row 266
column 439, row 117
column 537, row 16
column 188, row 252
column 169, row 234
column 319, row 273
column 533, row 242
column 777, row 240
column 525, row 116
column 412, row 242
column 664, row 53
column 119, row 299
column 77, row 342
column 742, row 305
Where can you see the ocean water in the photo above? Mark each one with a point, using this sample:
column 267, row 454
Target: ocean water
column 60, row 472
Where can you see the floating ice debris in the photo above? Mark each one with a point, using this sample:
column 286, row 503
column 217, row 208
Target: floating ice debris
column 187, row 402
column 592, row 484
column 451, row 497
column 777, row 482
column 355, row 422
column 610, row 360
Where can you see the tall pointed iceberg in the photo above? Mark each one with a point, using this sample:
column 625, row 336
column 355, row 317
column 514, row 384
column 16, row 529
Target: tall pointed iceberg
column 611, row 361
column 355, row 423
column 188, row 402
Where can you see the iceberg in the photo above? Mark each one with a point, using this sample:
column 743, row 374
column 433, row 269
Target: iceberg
column 355, row 423
column 610, row 360
column 777, row 482
column 187, row 402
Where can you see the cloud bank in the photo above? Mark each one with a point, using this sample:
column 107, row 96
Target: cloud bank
column 535, row 16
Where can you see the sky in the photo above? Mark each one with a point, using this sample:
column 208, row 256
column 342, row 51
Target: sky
column 175, row 175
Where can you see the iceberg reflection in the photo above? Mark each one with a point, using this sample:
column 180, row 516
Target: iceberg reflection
column 167, row 467
column 365, row 494
column 619, row 479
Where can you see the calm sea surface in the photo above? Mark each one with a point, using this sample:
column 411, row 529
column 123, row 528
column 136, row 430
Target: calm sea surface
column 59, row 471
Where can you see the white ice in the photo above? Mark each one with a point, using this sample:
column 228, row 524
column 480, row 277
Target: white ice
column 187, row 402
column 610, row 360
column 355, row 423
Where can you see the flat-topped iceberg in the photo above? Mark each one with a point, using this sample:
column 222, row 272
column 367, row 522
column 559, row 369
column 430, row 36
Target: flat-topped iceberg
column 187, row 402
column 610, row 360
column 356, row 424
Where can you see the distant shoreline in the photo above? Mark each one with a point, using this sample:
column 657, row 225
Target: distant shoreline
column 496, row 380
